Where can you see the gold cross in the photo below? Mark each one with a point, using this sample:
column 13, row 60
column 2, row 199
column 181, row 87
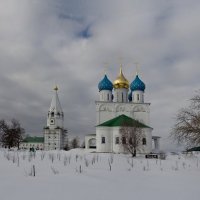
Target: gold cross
column 120, row 60
column 137, row 67
column 106, row 64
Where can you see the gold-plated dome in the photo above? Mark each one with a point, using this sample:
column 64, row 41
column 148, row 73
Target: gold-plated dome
column 121, row 81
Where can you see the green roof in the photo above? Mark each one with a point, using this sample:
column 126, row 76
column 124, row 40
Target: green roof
column 34, row 139
column 194, row 149
column 123, row 120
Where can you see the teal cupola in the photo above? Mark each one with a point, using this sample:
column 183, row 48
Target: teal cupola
column 105, row 84
column 137, row 84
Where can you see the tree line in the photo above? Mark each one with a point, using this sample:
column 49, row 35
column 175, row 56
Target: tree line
column 12, row 134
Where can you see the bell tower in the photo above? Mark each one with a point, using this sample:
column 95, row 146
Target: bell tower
column 54, row 133
column 55, row 116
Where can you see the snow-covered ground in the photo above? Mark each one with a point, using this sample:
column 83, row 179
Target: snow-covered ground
column 81, row 175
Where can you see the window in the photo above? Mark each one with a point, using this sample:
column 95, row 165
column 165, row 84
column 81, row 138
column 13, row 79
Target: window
column 144, row 141
column 108, row 97
column 123, row 140
column 117, row 140
column 122, row 97
column 52, row 114
column 103, row 140
column 138, row 97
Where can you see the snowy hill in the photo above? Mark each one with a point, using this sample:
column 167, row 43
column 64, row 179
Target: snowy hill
column 77, row 174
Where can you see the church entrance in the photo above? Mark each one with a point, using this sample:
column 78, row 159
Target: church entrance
column 92, row 143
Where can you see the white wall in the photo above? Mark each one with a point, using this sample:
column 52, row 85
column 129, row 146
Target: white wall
column 105, row 95
column 107, row 133
column 53, row 139
column 28, row 145
column 120, row 95
column 138, row 96
column 87, row 139
column 110, row 134
column 109, row 110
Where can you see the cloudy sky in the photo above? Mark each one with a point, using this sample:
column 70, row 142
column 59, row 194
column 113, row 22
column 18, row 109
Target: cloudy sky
column 69, row 42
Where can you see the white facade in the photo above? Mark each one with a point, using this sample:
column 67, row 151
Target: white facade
column 105, row 95
column 90, row 141
column 35, row 145
column 107, row 138
column 109, row 110
column 120, row 95
column 113, row 141
column 138, row 96
column 54, row 133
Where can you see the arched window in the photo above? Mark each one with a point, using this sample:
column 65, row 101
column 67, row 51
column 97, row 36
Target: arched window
column 117, row 140
column 138, row 97
column 52, row 114
column 108, row 97
column 144, row 141
column 122, row 97
column 103, row 140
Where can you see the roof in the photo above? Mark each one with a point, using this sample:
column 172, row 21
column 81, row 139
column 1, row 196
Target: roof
column 137, row 84
column 34, row 139
column 155, row 137
column 194, row 149
column 91, row 134
column 55, row 103
column 122, row 120
column 121, row 81
column 105, row 84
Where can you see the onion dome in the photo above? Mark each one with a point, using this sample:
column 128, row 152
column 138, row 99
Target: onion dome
column 137, row 84
column 130, row 96
column 121, row 81
column 105, row 84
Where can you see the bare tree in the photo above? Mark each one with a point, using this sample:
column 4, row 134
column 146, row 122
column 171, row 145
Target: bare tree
column 187, row 125
column 66, row 145
column 75, row 143
column 11, row 134
column 132, row 138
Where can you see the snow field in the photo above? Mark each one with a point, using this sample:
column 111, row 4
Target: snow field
column 78, row 174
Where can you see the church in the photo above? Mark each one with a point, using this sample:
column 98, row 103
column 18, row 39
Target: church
column 120, row 102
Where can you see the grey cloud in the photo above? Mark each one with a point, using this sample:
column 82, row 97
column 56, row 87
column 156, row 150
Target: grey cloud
column 43, row 43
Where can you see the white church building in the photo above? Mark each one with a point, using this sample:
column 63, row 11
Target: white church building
column 120, row 102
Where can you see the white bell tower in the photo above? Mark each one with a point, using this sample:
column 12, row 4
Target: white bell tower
column 55, row 116
column 54, row 133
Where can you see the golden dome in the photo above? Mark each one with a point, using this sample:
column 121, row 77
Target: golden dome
column 121, row 81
